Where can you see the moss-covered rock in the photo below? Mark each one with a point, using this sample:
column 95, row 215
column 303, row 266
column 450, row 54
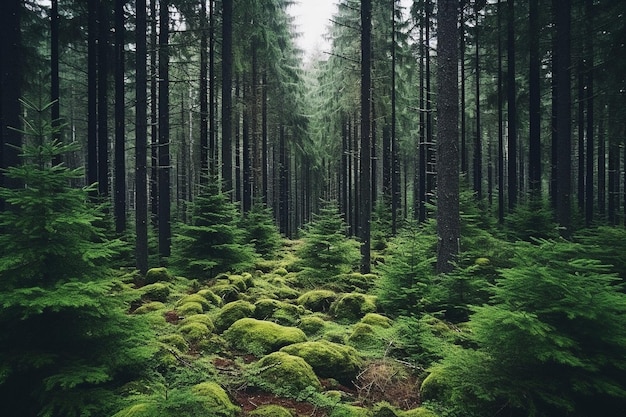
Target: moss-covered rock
column 226, row 291
column 418, row 412
column 344, row 410
column 384, row 409
column 259, row 337
column 175, row 340
column 211, row 297
column 277, row 311
column 149, row 307
column 311, row 324
column 271, row 411
column 283, row 374
column 158, row 275
column 200, row 318
column 353, row 281
column 215, row 399
column 433, row 385
column 194, row 332
column 190, row 308
column 363, row 336
column 374, row 319
column 155, row 292
column 353, row 306
column 232, row 312
column 317, row 300
column 195, row 298
column 328, row 359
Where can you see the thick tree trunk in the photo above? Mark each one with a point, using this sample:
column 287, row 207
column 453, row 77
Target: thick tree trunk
column 464, row 164
column 589, row 200
column 422, row 151
column 601, row 165
column 478, row 144
column 154, row 117
column 213, row 148
column 103, row 99
column 534, row 107
column 120, row 139
column 448, row 221
column 501, row 201
column 92, row 92
column 55, row 110
column 512, row 108
column 365, row 173
column 227, row 71
column 165, row 232
column 204, row 99
column 141, row 140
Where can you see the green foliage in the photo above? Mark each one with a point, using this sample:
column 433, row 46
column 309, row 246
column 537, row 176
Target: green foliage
column 261, row 337
column 270, row 411
column 328, row 359
column 606, row 244
column 213, row 242
column 552, row 341
column 374, row 319
column 352, row 307
column 232, row 312
column 261, row 231
column 66, row 340
column 326, row 251
column 532, row 220
column 405, row 276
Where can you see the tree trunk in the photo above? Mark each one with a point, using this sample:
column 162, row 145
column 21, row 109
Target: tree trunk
column 227, row 73
column 213, row 148
column 92, row 92
column 422, row 123
column 103, row 99
column 601, row 165
column 55, row 110
column 204, row 100
column 478, row 145
column 563, row 122
column 141, row 140
column 512, row 108
column 120, row 139
column 534, row 107
column 464, row 164
column 365, row 173
column 165, row 232
column 154, row 117
column 500, row 122
column 448, row 221
column 589, row 20
column 580, row 180
column 10, row 89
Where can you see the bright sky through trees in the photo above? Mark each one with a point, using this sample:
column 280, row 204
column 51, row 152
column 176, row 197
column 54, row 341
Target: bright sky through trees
column 312, row 18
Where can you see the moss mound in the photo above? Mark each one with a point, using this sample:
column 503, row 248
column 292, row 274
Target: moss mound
column 311, row 324
column 232, row 312
column 317, row 300
column 418, row 412
column 259, row 337
column 353, row 306
column 200, row 318
column 175, row 340
column 158, row 275
column 215, row 399
column 328, row 359
column 195, row 298
column 194, row 332
column 343, row 410
column 363, row 336
column 277, row 311
column 271, row 411
column 283, row 374
column 150, row 307
column 155, row 292
column 374, row 319
column 211, row 297
column 190, row 308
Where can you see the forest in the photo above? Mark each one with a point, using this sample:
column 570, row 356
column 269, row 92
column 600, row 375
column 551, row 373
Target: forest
column 425, row 219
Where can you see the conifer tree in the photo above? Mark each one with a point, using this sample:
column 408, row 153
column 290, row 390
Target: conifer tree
column 66, row 339
column 260, row 230
column 212, row 243
column 327, row 251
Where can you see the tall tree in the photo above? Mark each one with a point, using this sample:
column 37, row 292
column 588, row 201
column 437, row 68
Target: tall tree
column 141, row 140
column 563, row 122
column 500, row 121
column 365, row 174
column 512, row 107
column 589, row 21
column 120, row 113
column 478, row 145
column 92, row 92
column 534, row 142
column 55, row 110
column 103, row 97
column 165, row 232
column 227, row 71
column 204, row 99
column 448, row 221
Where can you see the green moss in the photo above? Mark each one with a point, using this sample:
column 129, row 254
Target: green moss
column 194, row 332
column 283, row 374
column 211, row 297
column 137, row 410
column 232, row 312
column 328, row 359
column 158, row 275
column 482, row 261
column 265, row 307
column 271, row 411
column 227, row 292
column 353, row 281
column 433, row 385
column 278, row 311
column 215, row 399
column 150, row 307
column 363, row 335
column 311, row 324
column 317, row 300
column 353, row 306
column 374, row 319
column 280, row 271
column 260, row 337
column 343, row 410
column 155, row 292
column 190, row 308
column 175, row 340
column 200, row 318
column 195, row 298
column 417, row 412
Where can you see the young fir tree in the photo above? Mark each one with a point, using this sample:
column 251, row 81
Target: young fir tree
column 212, row 243
column 261, row 231
column 327, row 251
column 66, row 340
column 552, row 342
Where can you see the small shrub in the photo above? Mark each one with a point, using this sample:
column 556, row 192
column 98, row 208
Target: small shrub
column 260, row 337
column 283, row 374
column 232, row 312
